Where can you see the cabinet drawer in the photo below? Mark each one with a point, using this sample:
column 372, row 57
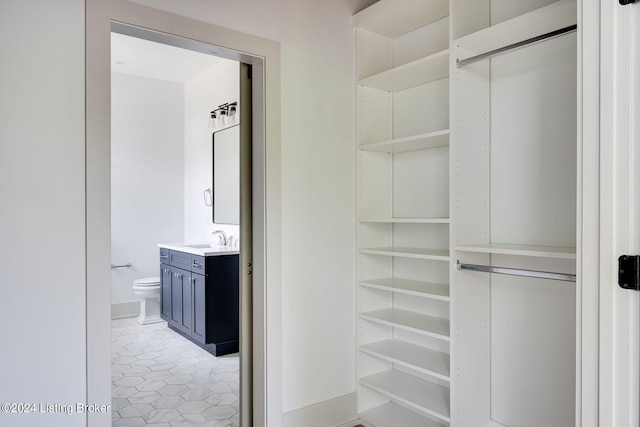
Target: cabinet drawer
column 197, row 264
column 180, row 260
column 164, row 256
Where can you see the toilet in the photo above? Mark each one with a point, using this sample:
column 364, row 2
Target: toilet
column 148, row 289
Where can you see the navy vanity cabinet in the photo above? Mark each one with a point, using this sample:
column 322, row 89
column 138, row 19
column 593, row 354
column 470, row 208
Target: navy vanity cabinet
column 200, row 298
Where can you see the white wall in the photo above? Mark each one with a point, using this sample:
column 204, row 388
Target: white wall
column 42, row 218
column 42, row 132
column 147, row 178
column 204, row 93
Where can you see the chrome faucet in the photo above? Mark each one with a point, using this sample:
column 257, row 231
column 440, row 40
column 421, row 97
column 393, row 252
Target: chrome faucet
column 222, row 237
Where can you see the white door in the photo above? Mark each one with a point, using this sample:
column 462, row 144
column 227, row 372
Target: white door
column 619, row 212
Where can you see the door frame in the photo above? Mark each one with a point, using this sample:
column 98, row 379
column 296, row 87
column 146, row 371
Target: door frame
column 619, row 385
column 264, row 56
column 589, row 216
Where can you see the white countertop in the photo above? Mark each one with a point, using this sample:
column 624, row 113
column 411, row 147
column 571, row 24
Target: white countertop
column 202, row 249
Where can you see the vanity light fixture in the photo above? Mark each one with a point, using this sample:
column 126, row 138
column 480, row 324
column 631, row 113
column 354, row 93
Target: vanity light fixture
column 224, row 116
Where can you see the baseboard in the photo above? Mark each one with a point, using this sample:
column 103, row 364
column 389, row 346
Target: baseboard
column 122, row 310
column 338, row 412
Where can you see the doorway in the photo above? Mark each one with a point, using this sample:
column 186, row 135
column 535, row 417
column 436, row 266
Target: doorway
column 262, row 358
column 220, row 405
column 161, row 173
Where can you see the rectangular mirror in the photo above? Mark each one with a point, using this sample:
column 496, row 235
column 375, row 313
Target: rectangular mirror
column 226, row 176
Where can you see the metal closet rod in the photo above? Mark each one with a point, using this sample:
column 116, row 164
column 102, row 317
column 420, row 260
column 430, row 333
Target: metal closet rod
column 547, row 36
column 518, row 272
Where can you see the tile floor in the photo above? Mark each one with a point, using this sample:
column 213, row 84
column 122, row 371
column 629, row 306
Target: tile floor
column 160, row 379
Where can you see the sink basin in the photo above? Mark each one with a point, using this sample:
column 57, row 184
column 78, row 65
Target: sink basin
column 199, row 246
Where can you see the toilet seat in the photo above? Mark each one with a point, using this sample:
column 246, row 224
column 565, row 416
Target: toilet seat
column 146, row 282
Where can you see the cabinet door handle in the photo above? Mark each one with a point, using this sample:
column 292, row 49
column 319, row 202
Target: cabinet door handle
column 197, row 264
column 163, row 257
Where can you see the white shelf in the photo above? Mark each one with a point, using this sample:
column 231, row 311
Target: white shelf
column 432, row 254
column 391, row 18
column 405, row 33
column 417, row 288
column 521, row 250
column 421, row 359
column 392, row 415
column 408, row 320
column 410, row 143
column 422, row 71
column 405, row 220
column 540, row 21
column 411, row 392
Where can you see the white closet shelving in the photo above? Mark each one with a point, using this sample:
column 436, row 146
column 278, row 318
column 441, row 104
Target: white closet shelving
column 390, row 414
column 470, row 163
column 521, row 250
column 545, row 19
column 416, row 288
column 419, row 253
column 514, row 153
column 403, row 213
column 410, row 143
column 422, row 71
column 430, row 362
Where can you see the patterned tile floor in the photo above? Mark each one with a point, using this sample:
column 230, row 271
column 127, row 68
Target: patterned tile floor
column 160, row 379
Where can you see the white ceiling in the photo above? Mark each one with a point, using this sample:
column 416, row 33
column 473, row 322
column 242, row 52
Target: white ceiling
column 145, row 58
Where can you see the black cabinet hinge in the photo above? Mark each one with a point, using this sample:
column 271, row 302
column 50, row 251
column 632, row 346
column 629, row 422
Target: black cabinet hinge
column 629, row 272
column 623, row 2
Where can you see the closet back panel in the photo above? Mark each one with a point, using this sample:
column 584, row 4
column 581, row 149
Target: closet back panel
column 372, row 332
column 532, row 352
column 420, row 269
column 426, row 236
column 374, row 266
column 533, row 145
column 420, row 184
column 374, row 54
column 422, row 42
column 426, row 306
column 374, row 115
column 502, row 10
column 421, row 109
column 475, row 15
column 371, row 235
column 374, row 184
column 422, row 340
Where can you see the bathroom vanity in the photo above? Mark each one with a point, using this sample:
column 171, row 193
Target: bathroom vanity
column 200, row 294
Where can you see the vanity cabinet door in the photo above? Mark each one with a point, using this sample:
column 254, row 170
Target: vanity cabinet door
column 187, row 302
column 180, row 317
column 175, row 316
column 165, row 296
column 199, row 308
